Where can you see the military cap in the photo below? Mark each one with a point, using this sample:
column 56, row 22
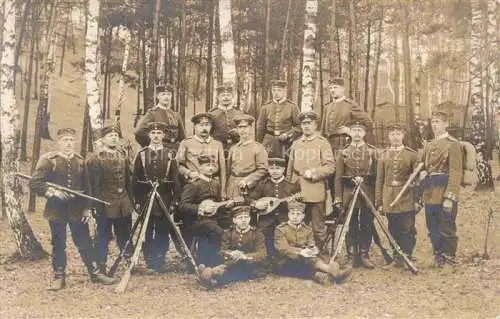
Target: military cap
column 158, row 126
column 275, row 161
column 279, row 83
column 238, row 210
column 198, row 117
column 164, row 88
column 226, row 87
column 441, row 114
column 336, row 81
column 243, row 117
column 356, row 123
column 204, row 159
column 111, row 129
column 296, row 205
column 66, row 131
column 395, row 126
column 308, row 116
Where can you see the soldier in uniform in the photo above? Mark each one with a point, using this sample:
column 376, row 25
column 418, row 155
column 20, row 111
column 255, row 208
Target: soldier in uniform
column 66, row 168
column 223, row 116
column 298, row 254
column 109, row 175
column 162, row 112
column 394, row 167
column 195, row 222
column 155, row 163
column 247, row 160
column 277, row 186
column 201, row 143
column 242, row 249
column 311, row 162
column 441, row 178
column 278, row 122
column 356, row 164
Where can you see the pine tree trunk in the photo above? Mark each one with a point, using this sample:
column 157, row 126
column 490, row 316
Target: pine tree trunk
column 182, row 76
column 284, row 40
column 351, row 50
column 63, row 52
column 121, row 83
column 333, row 39
column 227, row 43
column 27, row 244
column 377, row 64
column 27, row 99
column 218, row 48
column 20, row 42
column 156, row 39
column 208, row 74
column 367, row 64
column 309, row 57
column 397, row 75
column 407, row 76
column 265, row 79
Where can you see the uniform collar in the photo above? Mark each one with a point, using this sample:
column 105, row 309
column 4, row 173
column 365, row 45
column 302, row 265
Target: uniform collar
column 444, row 135
column 225, row 109
column 280, row 101
column 156, row 149
column 242, row 231
column 68, row 157
column 277, row 181
column 243, row 143
column 398, row 148
column 201, row 140
column 362, row 143
column 340, row 99
column 310, row 138
column 163, row 107
column 294, row 226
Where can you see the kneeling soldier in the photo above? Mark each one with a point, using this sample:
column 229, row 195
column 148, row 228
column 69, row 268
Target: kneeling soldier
column 395, row 165
column 243, row 251
column 298, row 254
column 66, row 168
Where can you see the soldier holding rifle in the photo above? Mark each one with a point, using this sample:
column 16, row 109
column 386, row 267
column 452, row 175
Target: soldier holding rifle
column 62, row 209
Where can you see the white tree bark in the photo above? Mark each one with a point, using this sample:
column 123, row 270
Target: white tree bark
column 28, row 245
column 91, row 65
column 309, row 57
column 121, row 84
column 227, row 45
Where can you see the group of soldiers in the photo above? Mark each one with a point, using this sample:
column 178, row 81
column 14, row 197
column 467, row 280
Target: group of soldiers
column 251, row 204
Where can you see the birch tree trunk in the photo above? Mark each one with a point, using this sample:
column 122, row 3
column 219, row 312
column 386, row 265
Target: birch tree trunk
column 227, row 43
column 281, row 70
column 309, row 57
column 265, row 79
column 407, row 74
column 27, row 244
column 210, row 44
column 121, row 83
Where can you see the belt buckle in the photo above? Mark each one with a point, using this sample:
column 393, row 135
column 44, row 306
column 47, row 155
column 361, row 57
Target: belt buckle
column 396, row 183
column 119, row 190
column 277, row 133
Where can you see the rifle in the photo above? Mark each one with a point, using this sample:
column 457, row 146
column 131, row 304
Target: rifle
column 273, row 202
column 376, row 238
column 407, row 184
column 67, row 190
column 347, row 221
column 384, row 228
column 122, row 285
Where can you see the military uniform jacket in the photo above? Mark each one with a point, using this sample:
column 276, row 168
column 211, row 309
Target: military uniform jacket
column 337, row 114
column 251, row 242
column 268, row 188
column 156, row 165
column 311, row 153
column 289, row 240
column 355, row 161
column 193, row 194
column 249, row 161
column 109, row 175
column 164, row 115
column 70, row 172
column 443, row 161
column 394, row 167
column 278, row 118
column 223, row 123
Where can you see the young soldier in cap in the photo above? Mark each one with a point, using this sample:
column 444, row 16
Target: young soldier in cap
column 311, row 162
column 441, row 178
column 247, row 160
column 278, row 122
column 277, row 186
column 298, row 254
column 162, row 112
column 109, row 176
column 68, row 169
column 223, row 116
column 242, row 249
column 156, row 163
column 201, row 143
column 394, row 167
column 356, row 164
column 195, row 221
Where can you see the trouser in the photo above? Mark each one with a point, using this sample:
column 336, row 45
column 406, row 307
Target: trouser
column 121, row 226
column 81, row 239
column 267, row 224
column 442, row 229
column 299, row 267
column 240, row 271
column 209, row 235
column 315, row 212
column 359, row 236
column 402, row 229
column 156, row 242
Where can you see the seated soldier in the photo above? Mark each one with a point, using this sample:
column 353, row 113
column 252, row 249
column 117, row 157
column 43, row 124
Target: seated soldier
column 242, row 249
column 297, row 252
column 203, row 220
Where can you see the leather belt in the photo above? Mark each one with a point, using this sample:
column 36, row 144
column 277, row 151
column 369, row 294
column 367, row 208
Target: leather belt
column 275, row 133
column 396, row 183
column 241, row 174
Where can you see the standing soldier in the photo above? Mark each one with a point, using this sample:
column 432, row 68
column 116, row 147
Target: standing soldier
column 441, row 178
column 66, row 168
column 109, row 175
column 247, row 160
column 162, row 112
column 394, row 167
column 278, row 122
column 155, row 163
column 201, row 143
column 311, row 162
column 356, row 164
column 223, row 116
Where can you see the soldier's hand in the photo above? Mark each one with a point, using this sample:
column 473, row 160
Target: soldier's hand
column 339, row 208
column 261, row 204
column 193, row 175
column 86, row 215
column 447, row 205
column 306, row 253
column 358, row 180
column 283, row 137
column 423, row 174
column 62, row 195
column 417, row 207
column 380, row 209
column 242, row 184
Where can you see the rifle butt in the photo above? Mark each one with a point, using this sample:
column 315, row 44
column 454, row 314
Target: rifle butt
column 122, row 285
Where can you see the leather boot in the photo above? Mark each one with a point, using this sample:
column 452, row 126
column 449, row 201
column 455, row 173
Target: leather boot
column 399, row 262
column 102, row 279
column 439, row 261
column 58, row 283
column 102, row 268
column 321, row 278
column 365, row 260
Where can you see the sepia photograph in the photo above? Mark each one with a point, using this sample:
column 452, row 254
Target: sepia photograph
column 250, row 159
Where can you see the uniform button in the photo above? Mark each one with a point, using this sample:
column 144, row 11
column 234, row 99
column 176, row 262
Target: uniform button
column 119, row 190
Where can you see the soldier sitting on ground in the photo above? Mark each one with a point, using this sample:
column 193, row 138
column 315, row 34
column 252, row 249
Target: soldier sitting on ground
column 298, row 254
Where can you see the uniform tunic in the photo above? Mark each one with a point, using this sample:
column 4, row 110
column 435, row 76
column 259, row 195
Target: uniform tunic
column 223, row 123
column 164, row 115
column 251, row 242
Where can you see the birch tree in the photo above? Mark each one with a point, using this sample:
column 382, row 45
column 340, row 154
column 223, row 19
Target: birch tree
column 227, row 42
column 28, row 245
column 309, row 56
